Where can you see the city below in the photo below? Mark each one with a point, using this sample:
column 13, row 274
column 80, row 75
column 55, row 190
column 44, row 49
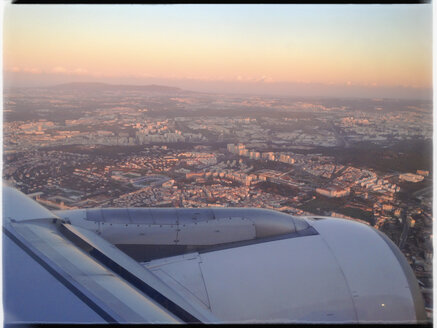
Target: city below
column 84, row 145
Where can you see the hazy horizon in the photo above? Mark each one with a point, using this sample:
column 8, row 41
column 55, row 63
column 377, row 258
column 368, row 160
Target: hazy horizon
column 252, row 89
column 363, row 51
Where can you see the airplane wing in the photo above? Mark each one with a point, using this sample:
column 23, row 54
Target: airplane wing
column 212, row 265
column 56, row 273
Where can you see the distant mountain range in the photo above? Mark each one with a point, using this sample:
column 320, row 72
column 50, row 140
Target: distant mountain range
column 104, row 86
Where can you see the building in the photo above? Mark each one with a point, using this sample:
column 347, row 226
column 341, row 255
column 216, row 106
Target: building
column 410, row 177
column 333, row 191
column 423, row 172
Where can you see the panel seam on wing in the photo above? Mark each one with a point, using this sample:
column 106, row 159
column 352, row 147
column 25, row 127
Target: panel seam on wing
column 344, row 277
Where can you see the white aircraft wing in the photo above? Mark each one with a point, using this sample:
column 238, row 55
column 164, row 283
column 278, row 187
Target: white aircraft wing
column 167, row 265
column 56, row 273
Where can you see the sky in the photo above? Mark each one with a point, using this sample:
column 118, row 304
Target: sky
column 315, row 50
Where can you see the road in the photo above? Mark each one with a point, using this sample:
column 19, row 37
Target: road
column 404, row 234
column 341, row 140
column 423, row 191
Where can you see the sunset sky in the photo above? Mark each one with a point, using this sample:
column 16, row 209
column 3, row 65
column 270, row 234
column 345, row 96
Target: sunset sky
column 254, row 48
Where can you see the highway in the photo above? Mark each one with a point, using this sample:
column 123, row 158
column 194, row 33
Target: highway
column 405, row 229
column 341, row 140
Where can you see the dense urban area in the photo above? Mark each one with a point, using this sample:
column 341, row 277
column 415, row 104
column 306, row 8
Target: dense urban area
column 96, row 145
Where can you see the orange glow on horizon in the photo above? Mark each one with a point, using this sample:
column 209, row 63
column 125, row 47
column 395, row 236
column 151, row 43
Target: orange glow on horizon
column 85, row 48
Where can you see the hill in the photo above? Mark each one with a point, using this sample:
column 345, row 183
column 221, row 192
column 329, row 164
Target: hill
column 96, row 86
